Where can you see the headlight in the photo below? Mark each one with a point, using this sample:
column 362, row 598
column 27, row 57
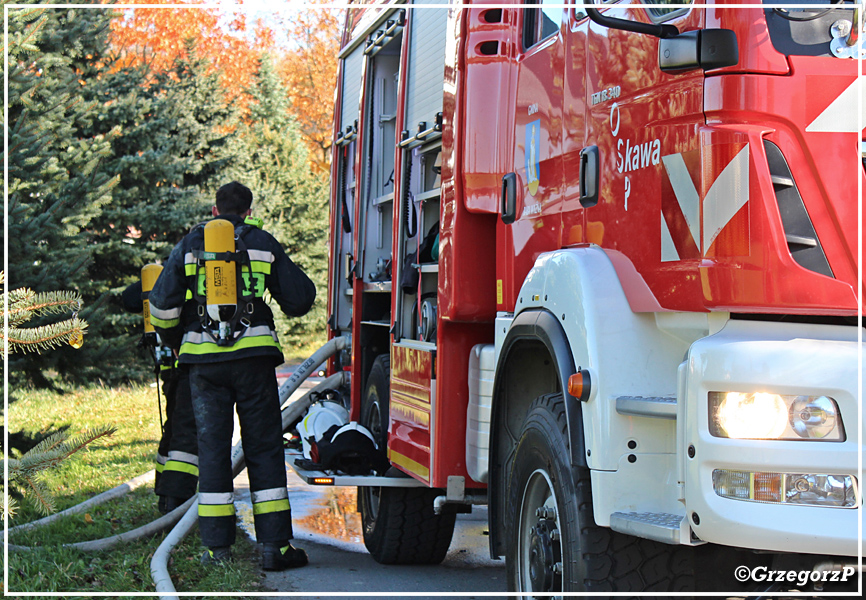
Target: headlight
column 805, row 489
column 763, row 416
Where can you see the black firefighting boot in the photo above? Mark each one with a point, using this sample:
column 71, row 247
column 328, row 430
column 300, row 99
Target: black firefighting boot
column 217, row 556
column 279, row 557
column 172, row 502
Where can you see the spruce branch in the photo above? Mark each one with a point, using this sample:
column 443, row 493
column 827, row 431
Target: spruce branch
column 46, row 337
column 25, row 472
column 24, row 304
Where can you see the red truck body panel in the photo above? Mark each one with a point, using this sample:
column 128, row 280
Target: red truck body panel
column 687, row 208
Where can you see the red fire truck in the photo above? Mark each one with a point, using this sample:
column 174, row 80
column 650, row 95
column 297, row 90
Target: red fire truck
column 597, row 267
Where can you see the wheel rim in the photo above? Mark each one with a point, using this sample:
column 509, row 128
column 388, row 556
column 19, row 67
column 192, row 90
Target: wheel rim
column 371, row 494
column 539, row 551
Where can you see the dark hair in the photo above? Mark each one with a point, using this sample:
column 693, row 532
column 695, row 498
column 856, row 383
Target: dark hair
column 233, row 199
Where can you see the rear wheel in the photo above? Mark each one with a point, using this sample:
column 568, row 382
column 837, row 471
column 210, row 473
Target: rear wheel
column 554, row 544
column 399, row 524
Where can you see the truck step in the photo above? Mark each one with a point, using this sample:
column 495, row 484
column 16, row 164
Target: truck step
column 661, row 527
column 659, row 407
column 314, row 477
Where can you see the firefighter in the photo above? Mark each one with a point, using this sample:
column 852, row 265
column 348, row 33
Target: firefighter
column 177, row 453
column 231, row 349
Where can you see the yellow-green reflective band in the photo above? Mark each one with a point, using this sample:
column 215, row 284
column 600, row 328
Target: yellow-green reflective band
column 159, row 467
column 189, row 294
column 165, row 367
column 258, row 266
column 271, row 506
column 174, row 465
column 216, row 510
column 258, row 289
column 258, row 341
column 163, row 323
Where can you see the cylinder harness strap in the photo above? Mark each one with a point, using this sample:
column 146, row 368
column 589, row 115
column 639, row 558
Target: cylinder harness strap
column 239, row 321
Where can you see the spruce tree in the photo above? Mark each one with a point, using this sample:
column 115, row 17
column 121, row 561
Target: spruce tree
column 57, row 178
column 26, row 468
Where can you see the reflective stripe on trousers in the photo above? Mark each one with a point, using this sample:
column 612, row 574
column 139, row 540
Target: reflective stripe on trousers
column 270, row 501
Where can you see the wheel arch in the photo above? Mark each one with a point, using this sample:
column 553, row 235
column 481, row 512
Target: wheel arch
column 537, row 342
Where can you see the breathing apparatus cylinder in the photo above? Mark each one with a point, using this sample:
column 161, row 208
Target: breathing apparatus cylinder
column 149, row 274
column 220, row 276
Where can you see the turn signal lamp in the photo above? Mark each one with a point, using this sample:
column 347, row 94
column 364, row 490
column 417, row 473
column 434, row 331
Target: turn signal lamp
column 323, row 481
column 579, row 385
column 804, row 489
column 763, row 416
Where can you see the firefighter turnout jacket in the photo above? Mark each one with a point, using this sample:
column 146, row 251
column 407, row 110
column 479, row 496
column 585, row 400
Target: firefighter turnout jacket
column 175, row 313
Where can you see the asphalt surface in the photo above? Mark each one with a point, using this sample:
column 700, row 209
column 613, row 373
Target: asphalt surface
column 343, row 565
column 336, row 567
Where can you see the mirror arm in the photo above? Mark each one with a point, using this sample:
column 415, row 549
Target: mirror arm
column 660, row 31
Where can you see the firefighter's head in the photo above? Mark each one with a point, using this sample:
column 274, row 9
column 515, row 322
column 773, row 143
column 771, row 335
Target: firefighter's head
column 233, row 199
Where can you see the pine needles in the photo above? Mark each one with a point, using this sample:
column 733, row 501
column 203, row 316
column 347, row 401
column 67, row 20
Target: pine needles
column 25, row 471
column 25, row 304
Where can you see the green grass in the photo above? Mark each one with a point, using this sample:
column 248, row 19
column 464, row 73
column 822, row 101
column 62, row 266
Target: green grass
column 49, row 567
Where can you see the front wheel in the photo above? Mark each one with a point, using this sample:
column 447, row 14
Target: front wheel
column 399, row 524
column 554, row 544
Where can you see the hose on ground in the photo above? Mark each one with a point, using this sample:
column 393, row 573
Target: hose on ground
column 164, row 522
column 117, row 492
column 159, row 563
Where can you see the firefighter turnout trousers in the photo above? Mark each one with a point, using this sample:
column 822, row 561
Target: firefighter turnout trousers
column 177, row 454
column 251, row 384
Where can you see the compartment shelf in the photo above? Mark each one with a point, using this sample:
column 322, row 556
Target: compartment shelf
column 428, row 195
column 416, row 344
column 383, row 199
column 428, row 267
column 378, row 323
column 383, row 286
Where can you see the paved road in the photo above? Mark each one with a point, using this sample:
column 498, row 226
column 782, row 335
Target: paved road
column 343, row 565
column 345, row 569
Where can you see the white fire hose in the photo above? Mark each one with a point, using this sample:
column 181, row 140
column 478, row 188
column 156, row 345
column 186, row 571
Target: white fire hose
column 159, row 563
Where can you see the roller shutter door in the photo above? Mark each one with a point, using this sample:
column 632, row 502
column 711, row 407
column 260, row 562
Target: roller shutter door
column 351, row 99
column 426, row 65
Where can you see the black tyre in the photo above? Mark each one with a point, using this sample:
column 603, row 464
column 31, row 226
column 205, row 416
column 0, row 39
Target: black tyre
column 399, row 524
column 554, row 544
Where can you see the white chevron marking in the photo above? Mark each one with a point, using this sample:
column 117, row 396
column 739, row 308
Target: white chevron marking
column 669, row 250
column 727, row 195
column 841, row 115
column 687, row 196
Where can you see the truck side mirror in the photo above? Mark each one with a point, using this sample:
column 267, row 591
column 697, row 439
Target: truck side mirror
column 508, row 210
column 700, row 49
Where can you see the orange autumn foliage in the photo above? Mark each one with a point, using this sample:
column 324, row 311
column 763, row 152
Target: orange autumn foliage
column 309, row 71
column 158, row 36
column 307, row 64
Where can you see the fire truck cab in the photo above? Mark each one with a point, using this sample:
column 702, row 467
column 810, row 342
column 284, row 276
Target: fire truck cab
column 598, row 269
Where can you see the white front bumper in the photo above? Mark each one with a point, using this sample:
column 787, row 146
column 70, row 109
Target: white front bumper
column 748, row 356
